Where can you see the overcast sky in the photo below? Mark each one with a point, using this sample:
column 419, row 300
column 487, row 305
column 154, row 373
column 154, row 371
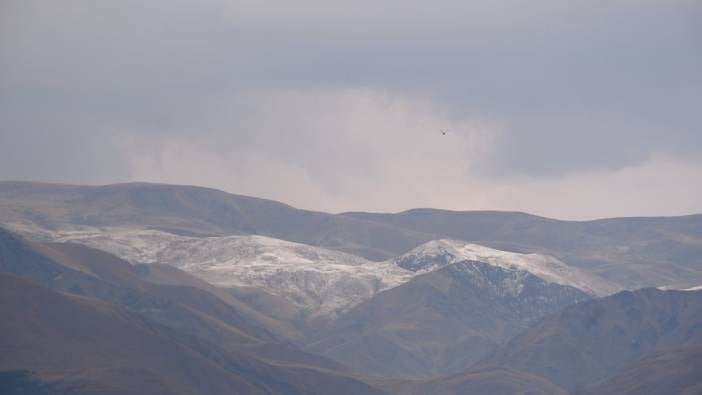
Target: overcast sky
column 569, row 109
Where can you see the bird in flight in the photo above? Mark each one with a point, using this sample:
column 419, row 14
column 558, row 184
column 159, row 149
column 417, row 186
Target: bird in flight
column 443, row 132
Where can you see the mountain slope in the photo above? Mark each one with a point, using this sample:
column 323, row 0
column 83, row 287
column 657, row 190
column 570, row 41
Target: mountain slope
column 669, row 372
column 280, row 320
column 590, row 341
column 484, row 303
column 486, row 381
column 319, row 282
column 633, row 252
column 441, row 322
column 96, row 346
column 441, row 253
column 32, row 208
column 85, row 271
column 188, row 308
column 43, row 330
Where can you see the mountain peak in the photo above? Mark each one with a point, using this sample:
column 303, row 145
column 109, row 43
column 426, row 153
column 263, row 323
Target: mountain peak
column 437, row 254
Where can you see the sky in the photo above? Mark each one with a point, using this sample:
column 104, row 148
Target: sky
column 574, row 109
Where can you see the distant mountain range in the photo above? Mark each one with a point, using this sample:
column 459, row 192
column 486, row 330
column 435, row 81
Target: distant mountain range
column 320, row 282
column 632, row 252
column 265, row 298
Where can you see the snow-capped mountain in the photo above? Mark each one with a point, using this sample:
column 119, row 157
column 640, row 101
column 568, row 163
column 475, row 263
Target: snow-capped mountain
column 319, row 282
column 441, row 253
column 447, row 318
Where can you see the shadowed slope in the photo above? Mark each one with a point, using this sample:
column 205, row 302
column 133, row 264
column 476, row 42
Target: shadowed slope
column 281, row 325
column 44, row 330
column 590, row 341
column 85, row 271
column 669, row 372
column 489, row 381
column 190, row 316
column 441, row 322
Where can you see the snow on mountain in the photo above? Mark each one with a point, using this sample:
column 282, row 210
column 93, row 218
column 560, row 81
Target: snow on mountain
column 319, row 282
column 440, row 253
column 679, row 288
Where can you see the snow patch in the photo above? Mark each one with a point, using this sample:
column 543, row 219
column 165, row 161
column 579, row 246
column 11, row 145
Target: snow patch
column 673, row 288
column 440, row 253
column 318, row 281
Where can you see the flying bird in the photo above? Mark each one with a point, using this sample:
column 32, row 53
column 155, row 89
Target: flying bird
column 443, row 132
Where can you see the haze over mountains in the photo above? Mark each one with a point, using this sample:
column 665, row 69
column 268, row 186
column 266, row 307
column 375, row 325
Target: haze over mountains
column 271, row 299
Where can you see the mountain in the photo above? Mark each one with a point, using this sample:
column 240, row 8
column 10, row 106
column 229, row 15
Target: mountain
column 85, row 271
column 591, row 341
column 484, row 295
column 222, row 330
column 491, row 294
column 77, row 345
column 317, row 281
column 43, row 330
column 632, row 252
column 670, row 372
column 676, row 371
column 34, row 208
column 444, row 320
column 484, row 381
column 277, row 316
column 242, row 284
column 437, row 254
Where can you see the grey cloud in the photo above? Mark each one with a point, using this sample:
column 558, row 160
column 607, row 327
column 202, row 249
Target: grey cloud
column 574, row 86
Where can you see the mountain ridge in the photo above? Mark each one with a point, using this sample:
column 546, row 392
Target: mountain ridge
column 320, row 282
column 632, row 252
